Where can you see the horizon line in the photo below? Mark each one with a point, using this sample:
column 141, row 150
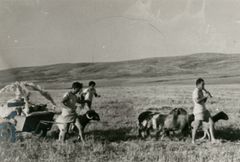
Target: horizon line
column 90, row 62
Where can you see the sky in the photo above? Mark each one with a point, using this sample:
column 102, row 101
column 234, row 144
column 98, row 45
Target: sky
column 41, row 32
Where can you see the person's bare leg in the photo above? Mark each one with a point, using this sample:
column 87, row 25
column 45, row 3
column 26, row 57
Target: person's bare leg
column 211, row 125
column 63, row 130
column 196, row 124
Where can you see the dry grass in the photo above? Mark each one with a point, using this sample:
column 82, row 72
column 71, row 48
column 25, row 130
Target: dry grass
column 115, row 137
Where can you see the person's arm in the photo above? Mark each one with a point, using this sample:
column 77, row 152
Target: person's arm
column 197, row 99
column 208, row 93
column 80, row 98
column 65, row 99
column 85, row 91
column 96, row 95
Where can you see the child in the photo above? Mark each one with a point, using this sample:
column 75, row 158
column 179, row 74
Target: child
column 68, row 114
column 201, row 114
column 88, row 94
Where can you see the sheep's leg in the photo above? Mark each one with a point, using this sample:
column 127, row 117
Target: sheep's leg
column 183, row 135
column 209, row 137
column 158, row 133
column 164, row 133
column 139, row 132
column 204, row 135
column 143, row 134
column 148, row 132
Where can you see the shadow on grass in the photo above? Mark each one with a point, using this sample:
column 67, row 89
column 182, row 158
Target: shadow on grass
column 112, row 135
column 228, row 134
column 125, row 134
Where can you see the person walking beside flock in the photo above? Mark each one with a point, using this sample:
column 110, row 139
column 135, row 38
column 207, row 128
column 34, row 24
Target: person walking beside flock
column 88, row 95
column 200, row 112
column 69, row 114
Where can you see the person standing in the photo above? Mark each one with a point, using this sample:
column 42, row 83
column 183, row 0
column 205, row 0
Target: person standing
column 88, row 95
column 200, row 112
column 69, row 114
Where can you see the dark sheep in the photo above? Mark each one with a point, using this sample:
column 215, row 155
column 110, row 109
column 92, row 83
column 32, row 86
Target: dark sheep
column 205, row 126
column 84, row 119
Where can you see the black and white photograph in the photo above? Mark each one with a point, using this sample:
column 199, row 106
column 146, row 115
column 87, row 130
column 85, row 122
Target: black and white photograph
column 119, row 80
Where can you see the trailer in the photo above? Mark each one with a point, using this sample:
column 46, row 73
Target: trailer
column 14, row 120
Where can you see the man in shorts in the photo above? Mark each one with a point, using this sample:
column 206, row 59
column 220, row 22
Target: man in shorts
column 201, row 114
column 69, row 114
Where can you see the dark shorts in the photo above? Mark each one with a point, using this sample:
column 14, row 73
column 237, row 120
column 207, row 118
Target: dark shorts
column 203, row 116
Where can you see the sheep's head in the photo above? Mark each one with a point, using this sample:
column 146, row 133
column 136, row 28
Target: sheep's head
column 92, row 115
column 223, row 115
column 177, row 111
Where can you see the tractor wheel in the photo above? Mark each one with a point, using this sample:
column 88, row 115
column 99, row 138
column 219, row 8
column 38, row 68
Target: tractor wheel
column 7, row 132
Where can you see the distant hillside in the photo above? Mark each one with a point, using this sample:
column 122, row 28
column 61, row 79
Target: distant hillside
column 208, row 64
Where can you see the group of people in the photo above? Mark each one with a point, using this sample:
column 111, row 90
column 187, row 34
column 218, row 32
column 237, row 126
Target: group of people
column 84, row 97
column 72, row 103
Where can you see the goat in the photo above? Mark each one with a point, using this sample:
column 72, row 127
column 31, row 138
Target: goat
column 83, row 120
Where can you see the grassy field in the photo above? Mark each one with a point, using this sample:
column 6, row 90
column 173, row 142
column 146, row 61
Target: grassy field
column 114, row 138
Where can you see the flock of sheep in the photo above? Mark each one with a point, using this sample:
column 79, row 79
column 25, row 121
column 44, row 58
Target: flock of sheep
column 177, row 121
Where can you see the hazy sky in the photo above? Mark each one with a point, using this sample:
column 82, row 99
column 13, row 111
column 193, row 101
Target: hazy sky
column 38, row 32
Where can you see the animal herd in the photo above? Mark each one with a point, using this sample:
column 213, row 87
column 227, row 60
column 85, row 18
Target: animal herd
column 176, row 122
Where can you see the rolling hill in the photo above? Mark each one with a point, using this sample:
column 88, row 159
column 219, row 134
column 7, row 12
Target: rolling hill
column 163, row 69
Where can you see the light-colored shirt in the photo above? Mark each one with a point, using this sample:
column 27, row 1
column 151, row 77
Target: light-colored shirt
column 89, row 93
column 70, row 101
column 199, row 107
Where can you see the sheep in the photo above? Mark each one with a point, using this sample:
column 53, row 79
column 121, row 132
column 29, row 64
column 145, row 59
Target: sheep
column 149, row 121
column 205, row 126
column 177, row 121
column 144, row 123
column 83, row 119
